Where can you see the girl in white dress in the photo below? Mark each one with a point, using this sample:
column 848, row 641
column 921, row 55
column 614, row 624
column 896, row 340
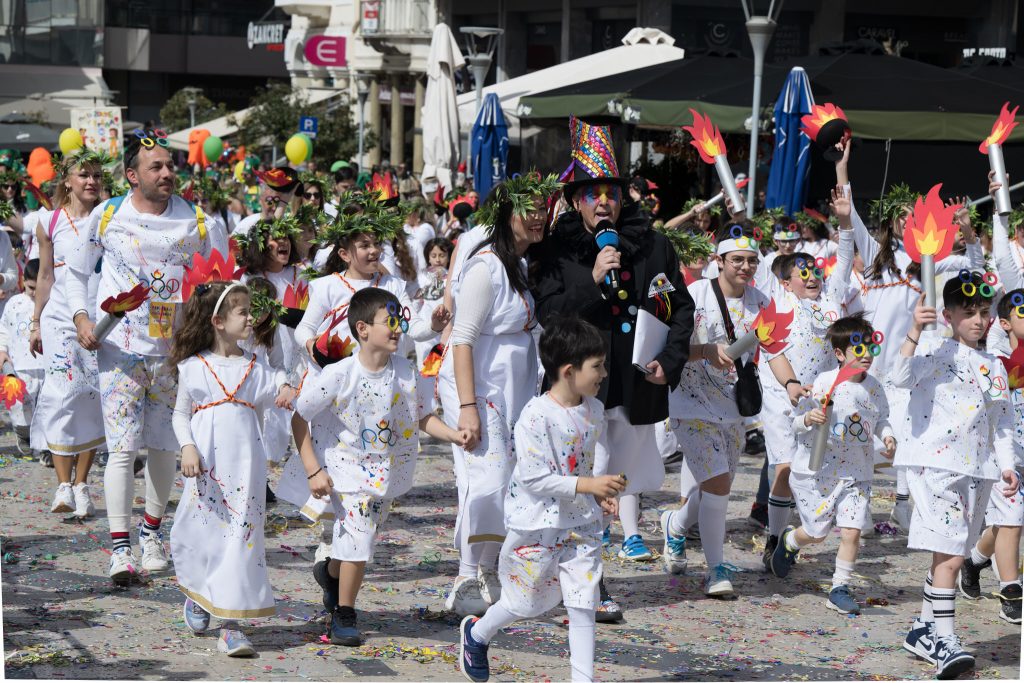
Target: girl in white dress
column 217, row 537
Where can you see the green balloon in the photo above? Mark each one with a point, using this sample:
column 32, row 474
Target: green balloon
column 213, row 147
column 309, row 145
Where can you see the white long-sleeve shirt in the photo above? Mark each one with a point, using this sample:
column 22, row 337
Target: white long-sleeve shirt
column 14, row 324
column 959, row 417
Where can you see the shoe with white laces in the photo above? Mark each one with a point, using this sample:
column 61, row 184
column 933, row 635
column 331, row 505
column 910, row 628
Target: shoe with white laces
column 154, row 554
column 123, row 567
column 490, row 585
column 841, row 600
column 196, row 618
column 921, row 640
column 969, row 578
column 465, row 598
column 950, row 658
column 673, row 550
column 718, row 583
column 84, row 506
column 233, row 642
column 64, row 499
column 1009, row 603
column 900, row 515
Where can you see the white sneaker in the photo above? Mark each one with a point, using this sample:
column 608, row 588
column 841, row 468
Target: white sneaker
column 154, row 555
column 900, row 515
column 490, row 585
column 673, row 548
column 123, row 566
column 64, row 500
column 83, row 501
column 465, row 598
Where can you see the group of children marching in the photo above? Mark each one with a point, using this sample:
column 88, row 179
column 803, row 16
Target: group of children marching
column 276, row 356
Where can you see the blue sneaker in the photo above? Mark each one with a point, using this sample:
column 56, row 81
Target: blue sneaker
column 718, row 582
column 921, row 640
column 343, row 627
column 783, row 558
column 634, row 548
column 950, row 658
column 673, row 551
column 328, row 584
column 840, row 600
column 233, row 643
column 606, row 537
column 196, row 618
column 472, row 654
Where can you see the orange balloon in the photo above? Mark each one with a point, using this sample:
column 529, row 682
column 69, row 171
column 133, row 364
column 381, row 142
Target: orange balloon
column 39, row 167
column 196, row 138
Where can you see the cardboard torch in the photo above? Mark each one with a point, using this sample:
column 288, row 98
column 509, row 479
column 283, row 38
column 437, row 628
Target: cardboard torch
column 992, row 146
column 12, row 387
column 1015, row 368
column 116, row 307
column 769, row 331
column 826, row 126
column 329, row 347
column 822, row 431
column 928, row 238
column 718, row 198
column 709, row 143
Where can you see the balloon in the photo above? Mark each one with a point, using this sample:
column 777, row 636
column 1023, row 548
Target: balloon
column 70, row 140
column 213, row 147
column 39, row 167
column 240, row 171
column 309, row 144
column 196, row 138
column 298, row 149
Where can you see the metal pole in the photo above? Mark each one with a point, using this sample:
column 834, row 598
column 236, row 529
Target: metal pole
column 362, row 125
column 988, row 197
column 192, row 114
column 760, row 30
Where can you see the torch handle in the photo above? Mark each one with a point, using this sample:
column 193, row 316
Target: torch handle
column 106, row 325
column 928, row 281
column 714, row 201
column 8, row 369
column 998, row 166
column 725, row 177
column 743, row 345
column 821, row 433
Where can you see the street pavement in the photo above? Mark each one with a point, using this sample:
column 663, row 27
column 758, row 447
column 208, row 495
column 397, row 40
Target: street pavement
column 63, row 619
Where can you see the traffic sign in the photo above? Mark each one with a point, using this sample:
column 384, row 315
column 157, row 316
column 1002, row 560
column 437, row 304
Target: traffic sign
column 309, row 125
column 326, row 51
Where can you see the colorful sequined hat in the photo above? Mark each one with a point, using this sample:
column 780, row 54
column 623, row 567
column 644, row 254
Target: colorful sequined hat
column 593, row 157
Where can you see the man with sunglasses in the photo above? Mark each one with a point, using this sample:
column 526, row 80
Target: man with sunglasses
column 576, row 278
column 278, row 187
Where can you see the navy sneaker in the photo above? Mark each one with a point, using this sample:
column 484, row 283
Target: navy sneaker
column 769, row 549
column 840, row 600
column 950, row 658
column 472, row 654
column 328, row 584
column 343, row 627
column 921, row 640
column 969, row 580
column 783, row 558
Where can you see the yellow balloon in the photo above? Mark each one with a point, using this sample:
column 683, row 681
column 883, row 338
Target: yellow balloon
column 70, row 140
column 240, row 171
column 296, row 150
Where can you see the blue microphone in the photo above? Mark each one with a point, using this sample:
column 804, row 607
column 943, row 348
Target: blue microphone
column 607, row 236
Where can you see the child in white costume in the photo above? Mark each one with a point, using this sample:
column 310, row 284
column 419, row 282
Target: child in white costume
column 710, row 424
column 553, row 508
column 961, row 423
column 379, row 406
column 838, row 492
column 217, row 537
column 14, row 348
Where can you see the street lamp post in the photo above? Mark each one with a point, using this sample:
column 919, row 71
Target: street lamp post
column 480, row 44
column 760, row 30
column 362, row 92
column 192, row 94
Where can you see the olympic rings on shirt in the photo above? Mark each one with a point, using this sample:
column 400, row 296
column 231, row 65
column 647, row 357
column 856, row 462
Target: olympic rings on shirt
column 163, row 289
column 151, row 138
column 384, row 437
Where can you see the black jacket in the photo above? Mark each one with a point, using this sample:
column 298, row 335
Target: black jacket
column 564, row 284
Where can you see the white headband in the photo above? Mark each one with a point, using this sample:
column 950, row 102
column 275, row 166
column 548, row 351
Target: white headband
column 743, row 243
column 224, row 294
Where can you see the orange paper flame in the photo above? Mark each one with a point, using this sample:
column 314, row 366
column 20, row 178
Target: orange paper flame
column 297, row 296
column 383, row 186
column 819, row 116
column 830, row 264
column 772, row 328
column 432, row 363
column 203, row 270
column 1015, row 367
column 12, row 390
column 331, row 345
column 126, row 301
column 930, row 230
column 1001, row 129
column 706, row 137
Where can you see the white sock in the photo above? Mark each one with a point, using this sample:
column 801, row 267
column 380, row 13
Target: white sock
column 677, row 521
column 791, row 542
column 691, row 509
column 690, row 490
column 843, row 573
column 902, row 487
column 976, row 556
column 489, row 556
column 581, row 643
column 119, row 489
column 778, row 514
column 629, row 515
column 496, row 618
column 160, row 473
column 468, row 569
column 926, row 601
column 944, row 610
column 712, row 527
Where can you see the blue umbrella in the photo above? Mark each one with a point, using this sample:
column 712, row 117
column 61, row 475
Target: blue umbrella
column 490, row 146
column 787, row 180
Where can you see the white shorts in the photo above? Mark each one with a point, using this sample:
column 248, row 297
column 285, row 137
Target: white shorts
column 625, row 448
column 710, row 448
column 357, row 519
column 1003, row 511
column 826, row 502
column 540, row 568
column 137, row 395
column 665, row 437
column 779, row 440
column 948, row 507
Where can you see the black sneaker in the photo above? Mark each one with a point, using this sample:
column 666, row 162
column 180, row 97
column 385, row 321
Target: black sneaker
column 755, row 443
column 271, row 496
column 759, row 515
column 343, row 627
column 782, row 559
column 1010, row 598
column 769, row 550
column 138, row 465
column 950, row 658
column 674, row 458
column 327, row 583
column 46, row 457
column 608, row 612
column 969, row 580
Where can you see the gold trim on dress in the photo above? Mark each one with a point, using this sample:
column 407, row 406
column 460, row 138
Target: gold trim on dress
column 227, row 613
column 57, row 449
column 310, row 514
column 484, row 538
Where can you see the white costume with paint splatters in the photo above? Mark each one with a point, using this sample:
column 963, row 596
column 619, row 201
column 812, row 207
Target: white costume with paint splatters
column 67, row 419
column 552, row 551
column 14, row 324
column 217, row 537
column 372, row 457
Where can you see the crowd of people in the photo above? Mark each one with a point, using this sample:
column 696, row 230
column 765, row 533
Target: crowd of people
column 209, row 323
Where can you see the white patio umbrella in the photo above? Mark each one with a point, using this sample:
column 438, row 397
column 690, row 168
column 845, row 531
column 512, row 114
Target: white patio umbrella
column 440, row 109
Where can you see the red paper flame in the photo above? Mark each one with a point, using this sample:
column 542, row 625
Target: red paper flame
column 706, row 137
column 930, row 230
column 1001, row 129
column 331, row 345
column 432, row 363
column 12, row 390
column 203, row 270
column 296, row 296
column 383, row 186
column 126, row 301
column 772, row 328
column 1015, row 367
column 844, row 374
column 819, row 116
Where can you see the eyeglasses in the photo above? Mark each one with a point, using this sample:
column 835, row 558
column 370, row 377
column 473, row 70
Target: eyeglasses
column 9, row 186
column 312, row 195
column 736, row 262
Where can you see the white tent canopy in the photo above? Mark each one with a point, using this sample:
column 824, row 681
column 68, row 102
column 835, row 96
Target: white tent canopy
column 641, row 47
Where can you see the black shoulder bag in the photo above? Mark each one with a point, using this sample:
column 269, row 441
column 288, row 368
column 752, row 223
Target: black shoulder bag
column 747, row 391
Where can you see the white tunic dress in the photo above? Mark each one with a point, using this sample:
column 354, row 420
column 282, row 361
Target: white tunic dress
column 217, row 537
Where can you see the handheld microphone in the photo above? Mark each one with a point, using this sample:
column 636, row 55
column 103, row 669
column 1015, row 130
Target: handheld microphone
column 607, row 236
